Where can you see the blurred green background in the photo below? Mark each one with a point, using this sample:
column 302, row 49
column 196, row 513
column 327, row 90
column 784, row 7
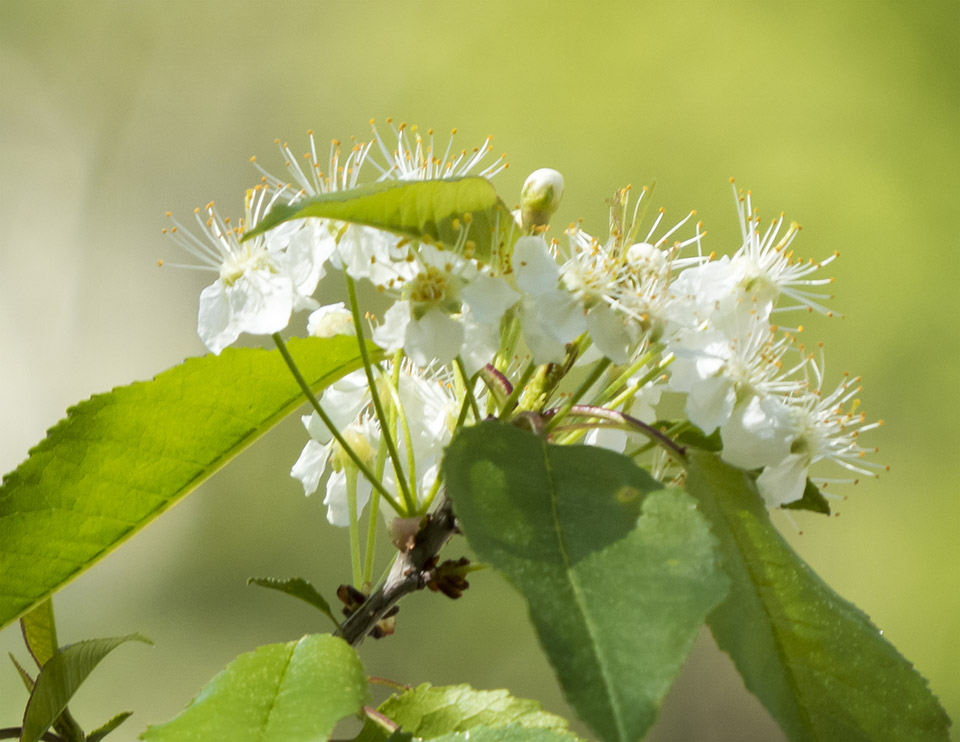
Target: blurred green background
column 844, row 114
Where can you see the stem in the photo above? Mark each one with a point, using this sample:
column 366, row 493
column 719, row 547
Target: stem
column 517, row 391
column 405, row 576
column 468, row 388
column 411, row 505
column 315, row 403
column 351, row 475
column 621, row 419
column 591, row 379
column 15, row 732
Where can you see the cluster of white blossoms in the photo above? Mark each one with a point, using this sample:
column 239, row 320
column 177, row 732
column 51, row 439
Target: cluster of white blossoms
column 581, row 335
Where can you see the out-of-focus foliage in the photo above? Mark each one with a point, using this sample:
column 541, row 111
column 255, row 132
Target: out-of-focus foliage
column 843, row 114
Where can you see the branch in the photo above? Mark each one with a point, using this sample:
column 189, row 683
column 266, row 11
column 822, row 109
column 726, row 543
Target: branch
column 15, row 732
column 408, row 574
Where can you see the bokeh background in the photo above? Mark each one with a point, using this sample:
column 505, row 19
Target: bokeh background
column 844, row 114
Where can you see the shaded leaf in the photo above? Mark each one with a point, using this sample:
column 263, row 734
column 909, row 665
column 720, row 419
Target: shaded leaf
column 616, row 601
column 812, row 500
column 298, row 588
column 40, row 632
column 293, row 692
column 60, row 678
column 100, row 732
column 434, row 211
column 28, row 681
column 121, row 459
column 818, row 664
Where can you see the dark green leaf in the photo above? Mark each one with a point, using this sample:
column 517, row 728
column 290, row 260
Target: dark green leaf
column 298, row 588
column 435, row 211
column 60, row 678
column 815, row 661
column 121, row 459
column 40, row 632
column 98, row 734
column 812, row 500
column 429, row 712
column 28, row 681
column 294, row 692
column 616, row 601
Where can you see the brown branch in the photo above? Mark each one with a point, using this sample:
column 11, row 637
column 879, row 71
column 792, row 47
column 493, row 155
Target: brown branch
column 408, row 574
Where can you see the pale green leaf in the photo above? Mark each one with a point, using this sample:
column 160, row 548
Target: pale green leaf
column 427, row 711
column 293, row 692
column 513, row 733
column 616, row 601
column 818, row 664
column 60, row 678
column 436, row 211
column 25, row 677
column 40, row 632
column 121, row 459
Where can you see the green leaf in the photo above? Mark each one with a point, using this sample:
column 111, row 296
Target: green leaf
column 428, row 712
column 98, row 734
column 616, row 601
column 121, row 459
column 511, row 733
column 812, row 500
column 28, row 681
column 823, row 671
column 40, row 632
column 293, row 692
column 298, row 588
column 434, row 211
column 60, row 678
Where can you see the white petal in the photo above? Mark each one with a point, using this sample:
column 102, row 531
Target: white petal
column 390, row 334
column 488, row 298
column 436, row 337
column 609, row 332
column 536, row 270
column 309, row 467
column 260, row 302
column 214, row 322
column 784, row 482
column 710, row 403
column 756, row 435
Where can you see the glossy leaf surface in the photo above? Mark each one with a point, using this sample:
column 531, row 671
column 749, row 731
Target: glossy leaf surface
column 121, row 459
column 818, row 664
column 430, row 210
column 293, row 692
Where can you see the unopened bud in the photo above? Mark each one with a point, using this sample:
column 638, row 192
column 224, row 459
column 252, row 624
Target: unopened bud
column 540, row 197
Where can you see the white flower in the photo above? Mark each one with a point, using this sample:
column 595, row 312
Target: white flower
column 726, row 365
column 260, row 282
column 429, row 412
column 331, row 320
column 623, row 285
column 768, row 268
column 416, row 158
column 821, row 428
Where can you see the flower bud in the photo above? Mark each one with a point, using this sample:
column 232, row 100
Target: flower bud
column 540, row 197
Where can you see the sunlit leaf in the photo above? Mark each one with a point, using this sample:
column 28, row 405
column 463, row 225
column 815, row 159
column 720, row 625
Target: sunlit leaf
column 60, row 678
column 818, row 664
column 40, row 632
column 298, row 588
column 618, row 575
column 293, row 692
column 121, row 459
column 427, row 711
column 436, row 211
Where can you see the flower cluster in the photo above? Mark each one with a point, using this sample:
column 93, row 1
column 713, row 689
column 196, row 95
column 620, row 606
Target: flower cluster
column 578, row 334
